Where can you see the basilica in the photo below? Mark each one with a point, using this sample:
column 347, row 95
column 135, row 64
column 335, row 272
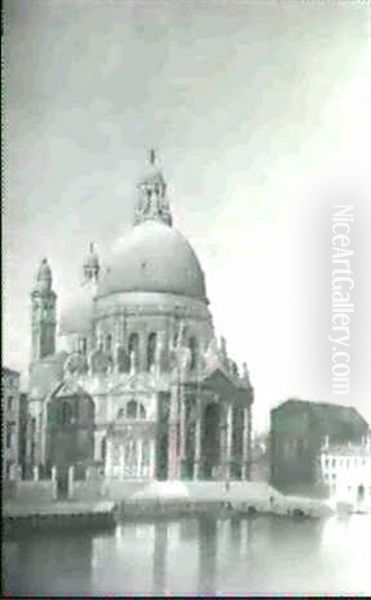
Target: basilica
column 130, row 379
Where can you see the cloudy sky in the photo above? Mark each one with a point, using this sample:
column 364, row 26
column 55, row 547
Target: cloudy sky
column 260, row 112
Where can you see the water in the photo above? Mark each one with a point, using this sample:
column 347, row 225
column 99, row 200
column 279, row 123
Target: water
column 257, row 555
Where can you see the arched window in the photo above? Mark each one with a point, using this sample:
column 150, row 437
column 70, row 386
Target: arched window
column 131, row 409
column 66, row 413
column 192, row 344
column 142, row 412
column 151, row 350
column 122, row 360
column 108, row 342
column 133, row 349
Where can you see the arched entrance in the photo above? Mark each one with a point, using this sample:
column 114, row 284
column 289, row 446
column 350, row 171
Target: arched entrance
column 210, row 444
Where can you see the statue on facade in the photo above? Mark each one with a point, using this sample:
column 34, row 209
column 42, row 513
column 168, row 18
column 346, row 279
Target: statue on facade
column 245, row 374
column 76, row 364
column 223, row 354
column 211, row 355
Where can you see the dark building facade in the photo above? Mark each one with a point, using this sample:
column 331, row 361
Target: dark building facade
column 297, row 432
column 10, row 395
column 70, row 428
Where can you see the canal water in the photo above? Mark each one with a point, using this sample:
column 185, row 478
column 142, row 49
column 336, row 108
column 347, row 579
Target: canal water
column 255, row 555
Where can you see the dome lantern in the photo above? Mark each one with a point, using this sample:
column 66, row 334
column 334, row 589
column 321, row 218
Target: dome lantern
column 91, row 266
column 152, row 204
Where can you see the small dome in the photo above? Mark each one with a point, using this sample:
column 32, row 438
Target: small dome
column 154, row 258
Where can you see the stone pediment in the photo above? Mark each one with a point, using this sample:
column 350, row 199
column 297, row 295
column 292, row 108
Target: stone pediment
column 68, row 388
column 133, row 384
column 219, row 381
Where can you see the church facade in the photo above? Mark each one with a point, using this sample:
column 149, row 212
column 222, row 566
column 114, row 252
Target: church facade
column 135, row 383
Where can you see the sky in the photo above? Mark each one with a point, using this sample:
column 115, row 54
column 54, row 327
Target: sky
column 260, row 114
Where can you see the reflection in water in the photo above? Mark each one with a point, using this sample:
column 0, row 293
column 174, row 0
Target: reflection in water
column 41, row 562
column 236, row 535
column 259, row 555
column 207, row 555
column 159, row 557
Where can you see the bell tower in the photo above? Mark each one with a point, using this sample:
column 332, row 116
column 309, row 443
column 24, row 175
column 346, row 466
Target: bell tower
column 43, row 313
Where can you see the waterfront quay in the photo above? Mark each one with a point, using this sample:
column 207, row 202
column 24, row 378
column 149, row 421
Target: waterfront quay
column 160, row 500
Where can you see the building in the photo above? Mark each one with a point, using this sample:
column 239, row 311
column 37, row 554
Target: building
column 346, row 472
column 136, row 382
column 10, row 402
column 297, row 433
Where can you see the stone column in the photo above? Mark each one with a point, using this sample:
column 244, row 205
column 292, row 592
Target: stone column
column 152, row 458
column 139, row 457
column 229, row 439
column 183, row 435
column 98, row 437
column 71, row 473
column 173, row 434
column 245, row 445
column 108, row 464
column 198, row 442
column 249, row 435
column 36, row 473
column 54, row 483
column 122, row 460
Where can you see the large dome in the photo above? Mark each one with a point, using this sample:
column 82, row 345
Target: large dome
column 154, row 258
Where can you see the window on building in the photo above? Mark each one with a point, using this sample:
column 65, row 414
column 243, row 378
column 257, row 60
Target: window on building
column 122, row 360
column 193, row 349
column 9, row 434
column 131, row 409
column 142, row 412
column 103, row 449
column 133, row 349
column 9, row 403
column 326, row 463
column 334, row 462
column 151, row 350
column 348, row 463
